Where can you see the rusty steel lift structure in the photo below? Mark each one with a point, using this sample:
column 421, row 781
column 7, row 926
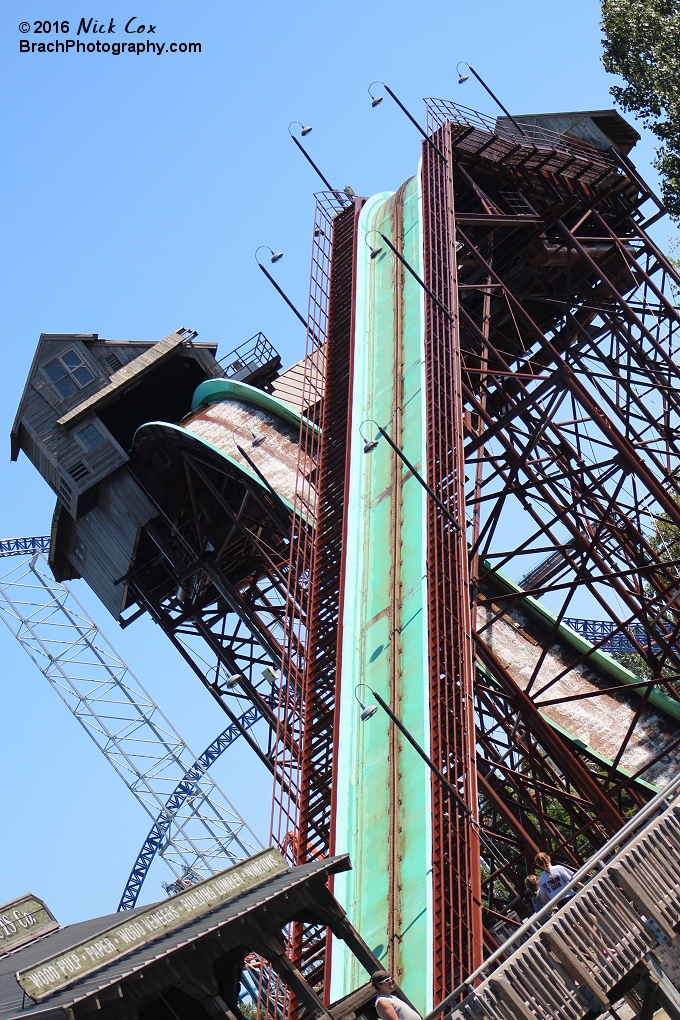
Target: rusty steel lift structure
column 551, row 433
column 551, row 379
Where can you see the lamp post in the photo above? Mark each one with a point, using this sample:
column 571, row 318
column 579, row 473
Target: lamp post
column 376, row 100
column 275, row 258
column 367, row 711
column 370, row 445
column 442, row 308
column 370, row 710
column 304, row 131
column 462, row 78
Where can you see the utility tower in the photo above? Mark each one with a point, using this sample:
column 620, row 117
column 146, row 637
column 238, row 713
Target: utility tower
column 502, row 329
column 195, row 828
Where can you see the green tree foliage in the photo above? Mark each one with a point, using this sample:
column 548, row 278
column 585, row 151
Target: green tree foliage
column 665, row 541
column 642, row 45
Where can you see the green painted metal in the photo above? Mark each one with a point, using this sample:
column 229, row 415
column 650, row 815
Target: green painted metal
column 384, row 624
column 212, row 391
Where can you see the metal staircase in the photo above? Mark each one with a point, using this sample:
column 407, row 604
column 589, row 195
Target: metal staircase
column 616, row 931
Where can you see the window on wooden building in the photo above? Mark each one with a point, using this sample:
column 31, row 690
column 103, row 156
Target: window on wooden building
column 68, row 373
column 90, row 437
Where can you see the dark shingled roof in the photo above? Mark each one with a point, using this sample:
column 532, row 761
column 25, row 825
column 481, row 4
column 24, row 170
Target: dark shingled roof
column 12, row 995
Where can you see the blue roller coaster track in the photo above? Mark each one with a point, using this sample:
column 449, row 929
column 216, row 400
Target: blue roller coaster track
column 185, row 789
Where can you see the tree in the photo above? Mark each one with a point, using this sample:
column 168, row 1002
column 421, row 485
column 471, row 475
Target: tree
column 642, row 45
column 665, row 541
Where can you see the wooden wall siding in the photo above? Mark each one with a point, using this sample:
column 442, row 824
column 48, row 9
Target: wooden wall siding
column 61, row 451
column 49, row 346
column 126, row 351
column 100, row 546
column 290, row 387
column 54, row 449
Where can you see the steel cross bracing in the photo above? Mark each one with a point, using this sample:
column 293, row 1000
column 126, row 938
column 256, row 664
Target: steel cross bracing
column 614, row 932
column 202, row 832
column 212, row 570
column 569, row 338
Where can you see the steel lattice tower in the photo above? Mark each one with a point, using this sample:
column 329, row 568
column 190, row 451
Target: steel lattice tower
column 507, row 318
column 551, row 340
column 195, row 828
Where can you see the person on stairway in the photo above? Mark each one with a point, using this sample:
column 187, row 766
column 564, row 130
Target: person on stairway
column 531, row 886
column 552, row 879
column 388, row 1005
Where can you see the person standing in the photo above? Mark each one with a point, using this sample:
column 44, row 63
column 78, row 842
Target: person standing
column 388, row 1005
column 552, row 879
column 531, row 886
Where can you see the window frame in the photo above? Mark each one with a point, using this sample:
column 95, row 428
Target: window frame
column 91, row 424
column 85, row 362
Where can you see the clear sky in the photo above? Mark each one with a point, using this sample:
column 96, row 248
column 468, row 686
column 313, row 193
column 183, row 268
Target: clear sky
column 135, row 190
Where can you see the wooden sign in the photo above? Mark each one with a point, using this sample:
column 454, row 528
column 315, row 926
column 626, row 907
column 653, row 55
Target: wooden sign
column 59, row 971
column 23, row 920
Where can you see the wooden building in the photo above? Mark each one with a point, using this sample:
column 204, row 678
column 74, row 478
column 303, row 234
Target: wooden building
column 180, row 959
column 84, row 402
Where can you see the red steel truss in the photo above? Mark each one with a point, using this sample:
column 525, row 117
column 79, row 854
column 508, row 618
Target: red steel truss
column 553, row 437
column 456, row 877
column 302, row 815
column 569, row 340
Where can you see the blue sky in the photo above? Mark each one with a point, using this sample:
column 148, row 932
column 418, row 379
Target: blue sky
column 135, row 190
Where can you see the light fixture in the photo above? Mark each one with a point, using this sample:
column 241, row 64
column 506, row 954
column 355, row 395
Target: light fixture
column 370, row 445
column 349, row 191
column 269, row 675
column 234, row 680
column 464, row 77
column 388, row 90
column 374, row 249
column 257, row 440
column 366, row 710
column 318, row 232
column 275, row 255
column 375, row 100
column 303, row 130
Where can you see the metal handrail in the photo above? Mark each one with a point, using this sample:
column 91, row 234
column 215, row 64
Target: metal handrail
column 534, row 134
column 597, row 860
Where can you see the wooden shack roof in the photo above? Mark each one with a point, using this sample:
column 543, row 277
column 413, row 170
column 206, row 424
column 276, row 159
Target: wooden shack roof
column 140, row 347
column 272, row 903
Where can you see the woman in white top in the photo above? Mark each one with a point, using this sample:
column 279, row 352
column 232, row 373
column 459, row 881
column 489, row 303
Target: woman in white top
column 388, row 1005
